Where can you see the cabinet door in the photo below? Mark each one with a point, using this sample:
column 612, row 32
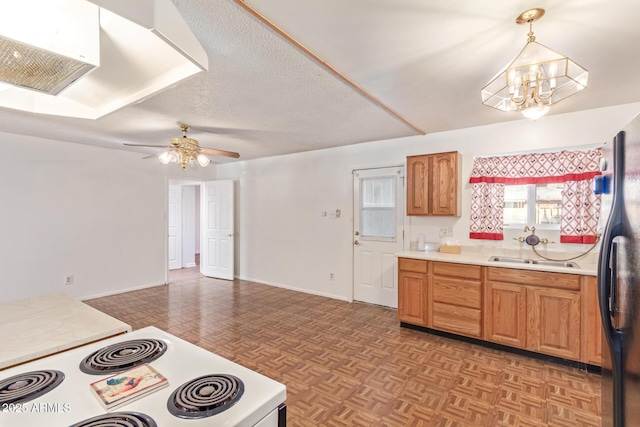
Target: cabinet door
column 444, row 192
column 505, row 314
column 593, row 334
column 412, row 298
column 418, row 175
column 554, row 322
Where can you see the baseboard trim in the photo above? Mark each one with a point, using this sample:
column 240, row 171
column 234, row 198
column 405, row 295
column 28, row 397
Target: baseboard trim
column 121, row 291
column 293, row 288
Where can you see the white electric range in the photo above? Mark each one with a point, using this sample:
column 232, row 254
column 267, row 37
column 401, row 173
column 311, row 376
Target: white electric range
column 253, row 399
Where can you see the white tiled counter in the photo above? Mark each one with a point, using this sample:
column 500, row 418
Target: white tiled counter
column 36, row 327
column 480, row 256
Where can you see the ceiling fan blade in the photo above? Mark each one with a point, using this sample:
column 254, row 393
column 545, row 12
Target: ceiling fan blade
column 220, row 152
column 151, row 156
column 147, row 145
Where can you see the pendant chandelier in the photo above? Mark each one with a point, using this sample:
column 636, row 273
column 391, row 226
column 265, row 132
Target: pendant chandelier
column 536, row 78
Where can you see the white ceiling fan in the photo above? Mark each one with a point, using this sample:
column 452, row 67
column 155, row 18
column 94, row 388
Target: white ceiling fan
column 186, row 151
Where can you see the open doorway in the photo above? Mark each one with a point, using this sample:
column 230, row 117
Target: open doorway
column 200, row 220
column 183, row 223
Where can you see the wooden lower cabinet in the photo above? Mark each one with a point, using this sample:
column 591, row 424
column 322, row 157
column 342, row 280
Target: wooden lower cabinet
column 456, row 319
column 412, row 295
column 505, row 311
column 554, row 322
column 535, row 310
column 593, row 347
column 456, row 295
column 412, row 291
column 550, row 313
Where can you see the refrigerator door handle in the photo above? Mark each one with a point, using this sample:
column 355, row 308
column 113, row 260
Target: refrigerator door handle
column 613, row 282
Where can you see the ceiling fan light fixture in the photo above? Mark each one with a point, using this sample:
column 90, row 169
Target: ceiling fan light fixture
column 165, row 158
column 535, row 79
column 203, row 160
column 186, row 151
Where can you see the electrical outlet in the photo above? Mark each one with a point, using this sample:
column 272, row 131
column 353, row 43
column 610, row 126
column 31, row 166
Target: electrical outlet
column 446, row 232
column 68, row 280
column 332, row 276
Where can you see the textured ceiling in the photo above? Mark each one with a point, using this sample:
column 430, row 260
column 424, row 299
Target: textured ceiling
column 263, row 96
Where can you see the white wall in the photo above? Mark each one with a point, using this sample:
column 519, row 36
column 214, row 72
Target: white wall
column 100, row 214
column 283, row 240
column 95, row 213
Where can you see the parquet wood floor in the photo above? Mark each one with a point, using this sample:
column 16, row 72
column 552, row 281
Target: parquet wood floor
column 350, row 364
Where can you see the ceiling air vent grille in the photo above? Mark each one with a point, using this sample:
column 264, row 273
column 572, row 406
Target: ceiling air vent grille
column 38, row 69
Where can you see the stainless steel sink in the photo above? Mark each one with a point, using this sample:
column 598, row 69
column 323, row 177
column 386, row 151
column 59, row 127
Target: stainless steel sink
column 509, row 259
column 569, row 264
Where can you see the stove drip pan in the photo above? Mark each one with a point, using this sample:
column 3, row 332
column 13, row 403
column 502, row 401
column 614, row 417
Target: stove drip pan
column 120, row 419
column 27, row 386
column 122, row 356
column 205, row 396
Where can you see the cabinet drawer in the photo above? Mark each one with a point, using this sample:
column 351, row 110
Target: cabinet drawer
column 459, row 320
column 534, row 278
column 457, row 270
column 459, row 292
column 408, row 264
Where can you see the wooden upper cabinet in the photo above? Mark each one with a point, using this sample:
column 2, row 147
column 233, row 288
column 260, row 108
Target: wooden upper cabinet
column 417, row 185
column 445, row 184
column 433, row 182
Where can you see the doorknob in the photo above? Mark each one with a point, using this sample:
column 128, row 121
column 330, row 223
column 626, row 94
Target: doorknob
column 356, row 243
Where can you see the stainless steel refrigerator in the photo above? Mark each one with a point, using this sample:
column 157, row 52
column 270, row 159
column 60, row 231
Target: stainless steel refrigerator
column 619, row 278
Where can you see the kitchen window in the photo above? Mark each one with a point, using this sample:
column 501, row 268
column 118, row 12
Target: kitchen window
column 533, row 204
column 549, row 190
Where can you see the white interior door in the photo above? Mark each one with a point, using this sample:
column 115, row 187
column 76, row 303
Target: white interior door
column 174, row 223
column 378, row 196
column 217, row 250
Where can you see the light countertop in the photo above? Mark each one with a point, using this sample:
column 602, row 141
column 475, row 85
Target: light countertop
column 586, row 267
column 36, row 327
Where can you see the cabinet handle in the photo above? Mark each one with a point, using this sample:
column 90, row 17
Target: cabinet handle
column 356, row 243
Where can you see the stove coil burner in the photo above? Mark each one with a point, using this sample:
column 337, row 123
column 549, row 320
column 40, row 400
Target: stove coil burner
column 24, row 387
column 120, row 419
column 205, row 396
column 122, row 356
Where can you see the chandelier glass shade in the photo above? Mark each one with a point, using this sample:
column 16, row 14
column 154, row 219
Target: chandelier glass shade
column 535, row 79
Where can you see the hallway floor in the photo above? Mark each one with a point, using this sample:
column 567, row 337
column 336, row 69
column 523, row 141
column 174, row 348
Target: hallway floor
column 350, row 364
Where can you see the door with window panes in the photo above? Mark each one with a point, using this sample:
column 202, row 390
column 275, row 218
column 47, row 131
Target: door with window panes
column 378, row 196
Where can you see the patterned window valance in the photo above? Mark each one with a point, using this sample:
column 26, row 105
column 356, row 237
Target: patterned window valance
column 537, row 168
column 576, row 169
